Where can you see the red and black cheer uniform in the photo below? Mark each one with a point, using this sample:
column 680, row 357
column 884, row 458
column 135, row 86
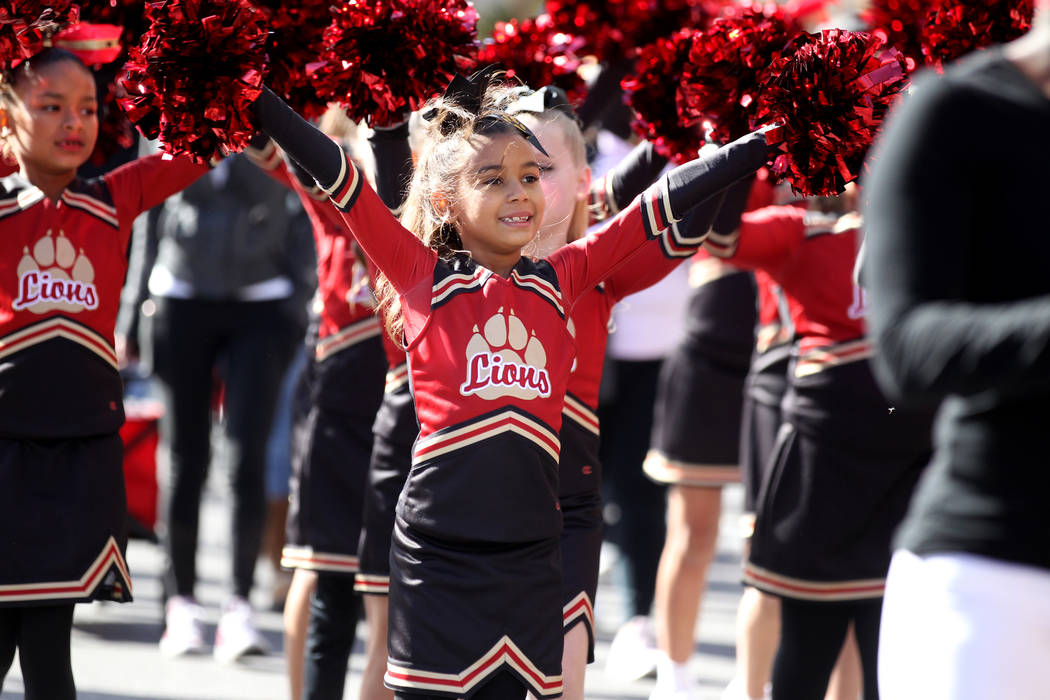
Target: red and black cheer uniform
column 62, row 507
column 843, row 474
column 339, row 393
column 475, row 564
column 845, row 462
column 764, row 389
column 696, row 418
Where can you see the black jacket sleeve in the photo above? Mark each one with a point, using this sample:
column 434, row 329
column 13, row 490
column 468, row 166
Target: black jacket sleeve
column 932, row 338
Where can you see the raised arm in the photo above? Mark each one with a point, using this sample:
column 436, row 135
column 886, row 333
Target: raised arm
column 146, row 182
column 584, row 263
column 924, row 191
column 612, row 192
column 757, row 240
column 396, row 251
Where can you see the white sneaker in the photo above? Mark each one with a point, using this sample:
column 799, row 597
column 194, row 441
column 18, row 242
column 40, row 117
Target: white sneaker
column 666, row 693
column 183, row 628
column 633, row 652
column 236, row 635
column 737, row 691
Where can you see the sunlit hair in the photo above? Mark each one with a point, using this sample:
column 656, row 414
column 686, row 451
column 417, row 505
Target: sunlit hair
column 13, row 77
column 444, row 150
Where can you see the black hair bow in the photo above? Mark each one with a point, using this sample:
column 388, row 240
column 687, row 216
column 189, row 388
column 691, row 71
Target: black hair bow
column 468, row 93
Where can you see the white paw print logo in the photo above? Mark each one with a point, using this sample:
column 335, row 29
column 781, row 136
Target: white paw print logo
column 504, row 359
column 54, row 276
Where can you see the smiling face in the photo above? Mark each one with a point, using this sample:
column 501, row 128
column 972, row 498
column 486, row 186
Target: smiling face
column 499, row 202
column 52, row 118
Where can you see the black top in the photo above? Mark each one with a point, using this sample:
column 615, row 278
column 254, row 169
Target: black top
column 958, row 272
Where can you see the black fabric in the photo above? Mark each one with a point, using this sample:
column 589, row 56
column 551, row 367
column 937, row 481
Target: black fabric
column 61, row 502
column 699, row 402
column 393, row 160
column 811, row 638
column 626, row 415
column 394, row 431
column 720, row 319
column 502, row 686
column 250, row 345
column 728, row 219
column 332, row 448
column 451, row 602
column 838, row 482
column 629, row 177
column 334, row 612
column 702, row 177
column 960, row 302
column 319, row 155
column 765, row 387
column 41, row 635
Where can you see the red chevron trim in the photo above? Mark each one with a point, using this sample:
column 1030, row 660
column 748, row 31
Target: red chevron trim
column 541, row 286
column 57, row 327
column 347, row 337
column 787, row 586
column 505, row 651
column 508, row 421
column 372, row 584
column 579, row 606
column 307, row 558
column 108, row 558
column 396, row 377
column 100, row 209
column 582, row 414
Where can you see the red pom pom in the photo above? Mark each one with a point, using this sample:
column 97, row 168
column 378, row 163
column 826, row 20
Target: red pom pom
column 829, row 95
column 296, row 40
column 533, row 52
column 898, row 23
column 727, row 63
column 616, row 28
column 26, row 24
column 956, row 27
column 656, row 118
column 192, row 79
column 385, row 57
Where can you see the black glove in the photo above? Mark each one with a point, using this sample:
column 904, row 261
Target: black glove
column 701, row 178
column 306, row 144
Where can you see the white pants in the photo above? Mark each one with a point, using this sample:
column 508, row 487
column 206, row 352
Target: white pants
column 964, row 627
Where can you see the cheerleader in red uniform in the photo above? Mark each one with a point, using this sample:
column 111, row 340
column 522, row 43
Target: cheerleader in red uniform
column 475, row 566
column 572, row 205
column 62, row 505
column 845, row 462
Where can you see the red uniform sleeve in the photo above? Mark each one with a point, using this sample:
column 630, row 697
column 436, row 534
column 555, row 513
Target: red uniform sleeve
column 146, row 182
column 395, row 250
column 645, row 229
column 766, row 238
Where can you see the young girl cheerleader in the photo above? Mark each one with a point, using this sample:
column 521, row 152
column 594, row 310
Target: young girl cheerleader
column 570, row 209
column 342, row 392
column 62, row 508
column 844, row 464
column 475, row 575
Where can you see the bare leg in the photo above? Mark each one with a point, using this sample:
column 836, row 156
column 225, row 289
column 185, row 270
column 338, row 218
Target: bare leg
column 296, row 619
column 692, row 529
column 757, row 639
column 846, row 680
column 372, row 688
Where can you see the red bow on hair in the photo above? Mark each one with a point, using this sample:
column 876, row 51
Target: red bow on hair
column 94, row 44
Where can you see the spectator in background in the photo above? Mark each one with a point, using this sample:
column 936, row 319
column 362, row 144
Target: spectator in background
column 957, row 259
column 224, row 271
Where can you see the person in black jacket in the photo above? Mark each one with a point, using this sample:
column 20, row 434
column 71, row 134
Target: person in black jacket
column 957, row 260
column 228, row 266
